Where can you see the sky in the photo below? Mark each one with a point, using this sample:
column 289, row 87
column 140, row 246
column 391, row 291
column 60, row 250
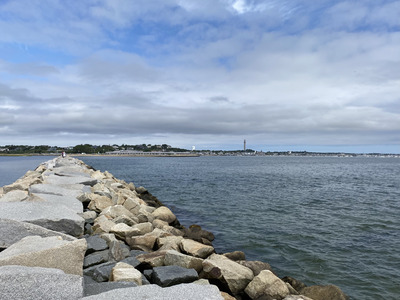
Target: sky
column 284, row 75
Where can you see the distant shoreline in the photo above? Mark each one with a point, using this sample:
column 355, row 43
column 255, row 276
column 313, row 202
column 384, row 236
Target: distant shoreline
column 216, row 153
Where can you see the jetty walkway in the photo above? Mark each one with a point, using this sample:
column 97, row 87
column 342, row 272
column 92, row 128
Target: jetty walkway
column 68, row 231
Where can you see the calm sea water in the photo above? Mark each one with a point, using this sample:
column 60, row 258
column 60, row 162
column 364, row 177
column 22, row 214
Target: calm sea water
column 320, row 220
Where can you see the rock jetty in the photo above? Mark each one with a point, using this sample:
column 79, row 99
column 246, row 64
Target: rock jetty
column 68, row 231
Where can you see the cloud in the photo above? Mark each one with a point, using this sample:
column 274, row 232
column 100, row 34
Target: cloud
column 178, row 72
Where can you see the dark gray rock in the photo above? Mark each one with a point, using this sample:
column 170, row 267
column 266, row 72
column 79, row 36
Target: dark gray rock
column 171, row 275
column 132, row 261
column 101, row 287
column 12, row 231
column 100, row 272
column 88, row 229
column 21, row 283
column 145, row 281
column 154, row 292
column 118, row 250
column 296, row 284
column 96, row 258
column 148, row 273
column 95, row 243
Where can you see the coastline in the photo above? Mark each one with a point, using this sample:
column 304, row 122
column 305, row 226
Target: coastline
column 109, row 184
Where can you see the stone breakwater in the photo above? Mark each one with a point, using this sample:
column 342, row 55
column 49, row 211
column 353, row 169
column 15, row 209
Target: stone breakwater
column 68, row 231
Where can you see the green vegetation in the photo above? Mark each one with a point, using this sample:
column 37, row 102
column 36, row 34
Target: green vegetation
column 83, row 148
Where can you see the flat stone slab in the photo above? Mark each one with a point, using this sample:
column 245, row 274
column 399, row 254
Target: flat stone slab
column 59, row 180
column 154, row 292
column 48, row 252
column 21, row 283
column 170, row 275
column 101, row 287
column 74, row 190
column 69, row 201
column 12, row 231
column 57, row 217
column 14, row 196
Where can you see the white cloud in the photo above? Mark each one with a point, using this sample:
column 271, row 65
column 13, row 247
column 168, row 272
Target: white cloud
column 194, row 73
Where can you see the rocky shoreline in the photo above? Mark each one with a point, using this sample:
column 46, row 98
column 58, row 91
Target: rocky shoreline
column 68, row 231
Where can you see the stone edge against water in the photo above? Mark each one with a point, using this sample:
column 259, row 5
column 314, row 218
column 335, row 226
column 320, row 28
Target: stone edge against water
column 130, row 219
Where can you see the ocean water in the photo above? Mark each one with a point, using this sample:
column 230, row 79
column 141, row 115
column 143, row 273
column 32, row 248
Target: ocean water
column 321, row 220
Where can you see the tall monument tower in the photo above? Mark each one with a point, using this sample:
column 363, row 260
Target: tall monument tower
column 244, row 145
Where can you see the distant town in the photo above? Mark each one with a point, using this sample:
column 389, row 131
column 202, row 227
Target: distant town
column 162, row 150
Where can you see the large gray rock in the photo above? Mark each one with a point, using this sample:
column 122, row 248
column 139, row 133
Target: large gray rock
column 12, row 231
column 235, row 276
column 57, row 217
column 69, row 179
column 165, row 214
column 174, row 258
column 73, row 191
column 100, row 272
column 101, row 287
column 96, row 258
column 267, row 284
column 14, row 196
column 154, row 292
column 48, row 252
column 95, row 243
column 21, row 283
column 195, row 248
column 69, row 201
column 171, row 275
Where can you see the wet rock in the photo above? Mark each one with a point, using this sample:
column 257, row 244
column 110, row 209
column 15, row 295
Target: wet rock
column 48, row 252
column 195, row 232
column 296, row 284
column 235, row 256
column 235, row 276
column 196, row 249
column 322, row 292
column 267, row 284
column 20, row 283
column 171, row 275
